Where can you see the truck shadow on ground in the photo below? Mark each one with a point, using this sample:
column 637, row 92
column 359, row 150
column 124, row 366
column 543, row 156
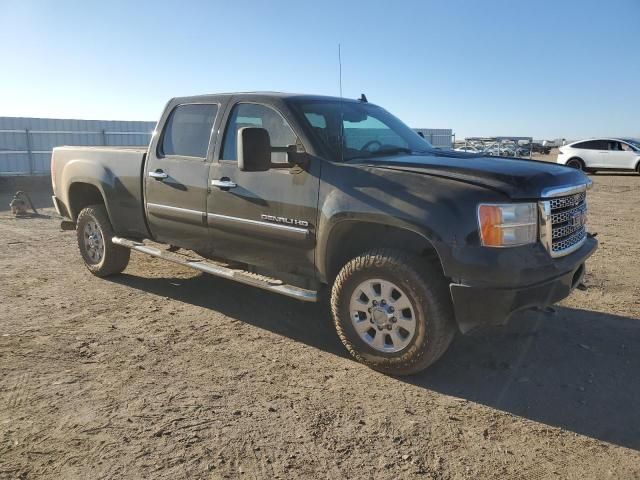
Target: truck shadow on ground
column 572, row 369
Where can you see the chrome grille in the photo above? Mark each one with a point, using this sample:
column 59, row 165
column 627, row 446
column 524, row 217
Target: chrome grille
column 563, row 223
column 565, row 243
column 568, row 201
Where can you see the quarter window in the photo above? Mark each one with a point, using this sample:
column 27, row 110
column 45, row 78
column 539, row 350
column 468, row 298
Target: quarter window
column 188, row 130
column 254, row 115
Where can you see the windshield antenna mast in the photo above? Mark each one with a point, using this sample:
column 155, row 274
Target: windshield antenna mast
column 341, row 112
column 340, row 68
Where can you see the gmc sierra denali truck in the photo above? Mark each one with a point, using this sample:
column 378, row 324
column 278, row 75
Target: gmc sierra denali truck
column 293, row 193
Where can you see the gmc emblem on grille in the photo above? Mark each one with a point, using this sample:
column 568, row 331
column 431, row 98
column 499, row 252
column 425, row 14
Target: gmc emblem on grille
column 578, row 219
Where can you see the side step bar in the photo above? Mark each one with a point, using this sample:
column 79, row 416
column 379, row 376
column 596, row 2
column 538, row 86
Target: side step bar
column 206, row 266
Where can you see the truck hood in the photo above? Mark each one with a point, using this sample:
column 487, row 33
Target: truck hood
column 517, row 178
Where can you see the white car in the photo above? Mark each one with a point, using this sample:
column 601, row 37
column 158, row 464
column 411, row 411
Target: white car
column 468, row 149
column 601, row 154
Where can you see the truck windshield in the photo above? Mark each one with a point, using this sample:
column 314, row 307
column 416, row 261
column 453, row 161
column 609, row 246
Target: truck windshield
column 352, row 130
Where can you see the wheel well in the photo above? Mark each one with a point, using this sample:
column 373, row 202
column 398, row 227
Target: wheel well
column 82, row 195
column 350, row 239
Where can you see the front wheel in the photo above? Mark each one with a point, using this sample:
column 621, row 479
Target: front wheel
column 94, row 232
column 393, row 311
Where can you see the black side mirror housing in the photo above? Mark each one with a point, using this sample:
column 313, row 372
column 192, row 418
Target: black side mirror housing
column 254, row 152
column 254, row 149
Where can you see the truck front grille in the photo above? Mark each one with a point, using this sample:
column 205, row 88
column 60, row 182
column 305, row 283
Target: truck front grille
column 563, row 223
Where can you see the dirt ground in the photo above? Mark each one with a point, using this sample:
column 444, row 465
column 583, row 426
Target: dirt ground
column 166, row 373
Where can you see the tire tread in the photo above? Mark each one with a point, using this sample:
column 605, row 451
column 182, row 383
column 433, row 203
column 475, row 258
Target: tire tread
column 419, row 270
column 116, row 258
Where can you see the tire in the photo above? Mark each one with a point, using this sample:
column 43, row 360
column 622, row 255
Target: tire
column 94, row 233
column 421, row 284
column 576, row 163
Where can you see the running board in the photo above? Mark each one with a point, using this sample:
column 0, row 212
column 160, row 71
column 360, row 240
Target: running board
column 206, row 266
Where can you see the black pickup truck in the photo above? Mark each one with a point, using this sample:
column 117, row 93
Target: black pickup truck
column 295, row 193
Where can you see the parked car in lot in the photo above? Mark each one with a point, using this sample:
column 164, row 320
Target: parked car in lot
column 601, row 154
column 537, row 147
column 299, row 193
column 469, row 149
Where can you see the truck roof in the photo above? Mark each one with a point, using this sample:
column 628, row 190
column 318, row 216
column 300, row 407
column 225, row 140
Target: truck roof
column 279, row 95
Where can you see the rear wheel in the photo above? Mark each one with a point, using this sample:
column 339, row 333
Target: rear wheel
column 392, row 311
column 576, row 163
column 94, row 233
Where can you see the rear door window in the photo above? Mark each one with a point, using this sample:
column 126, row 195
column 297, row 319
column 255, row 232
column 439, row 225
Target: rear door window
column 188, row 130
column 592, row 145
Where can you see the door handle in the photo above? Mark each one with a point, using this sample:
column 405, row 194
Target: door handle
column 158, row 175
column 224, row 182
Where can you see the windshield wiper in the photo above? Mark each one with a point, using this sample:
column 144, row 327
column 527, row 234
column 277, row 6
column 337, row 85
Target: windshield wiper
column 381, row 153
column 391, row 151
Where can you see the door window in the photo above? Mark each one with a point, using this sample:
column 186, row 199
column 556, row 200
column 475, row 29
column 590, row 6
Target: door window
column 254, row 115
column 188, row 130
column 593, row 145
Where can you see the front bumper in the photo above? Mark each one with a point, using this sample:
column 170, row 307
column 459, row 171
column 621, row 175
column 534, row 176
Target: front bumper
column 486, row 305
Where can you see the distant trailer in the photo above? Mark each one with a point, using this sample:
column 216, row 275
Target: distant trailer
column 438, row 137
column 26, row 143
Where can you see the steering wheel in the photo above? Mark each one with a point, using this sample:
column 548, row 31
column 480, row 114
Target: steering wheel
column 366, row 146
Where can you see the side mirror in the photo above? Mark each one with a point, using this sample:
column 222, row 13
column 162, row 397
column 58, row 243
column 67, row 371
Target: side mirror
column 253, row 149
column 421, row 134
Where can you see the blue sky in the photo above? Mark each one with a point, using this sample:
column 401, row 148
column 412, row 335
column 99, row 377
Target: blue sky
column 493, row 67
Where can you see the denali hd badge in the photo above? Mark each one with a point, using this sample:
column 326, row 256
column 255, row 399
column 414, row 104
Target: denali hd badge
column 285, row 220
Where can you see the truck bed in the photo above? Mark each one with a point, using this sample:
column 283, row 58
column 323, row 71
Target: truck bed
column 116, row 172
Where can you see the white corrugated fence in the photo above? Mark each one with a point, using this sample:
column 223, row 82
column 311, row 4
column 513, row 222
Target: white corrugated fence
column 26, row 143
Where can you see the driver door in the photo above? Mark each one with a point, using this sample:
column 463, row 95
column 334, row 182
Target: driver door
column 621, row 155
column 263, row 218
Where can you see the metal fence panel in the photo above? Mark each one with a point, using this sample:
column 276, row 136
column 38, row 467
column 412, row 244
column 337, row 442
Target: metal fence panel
column 26, row 143
column 438, row 137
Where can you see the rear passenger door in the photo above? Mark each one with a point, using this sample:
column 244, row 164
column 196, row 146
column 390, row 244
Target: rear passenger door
column 595, row 153
column 176, row 175
column 263, row 218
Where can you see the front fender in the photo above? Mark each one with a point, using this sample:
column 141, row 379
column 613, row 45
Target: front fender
column 443, row 211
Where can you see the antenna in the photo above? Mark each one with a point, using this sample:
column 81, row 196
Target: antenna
column 340, row 68
column 341, row 138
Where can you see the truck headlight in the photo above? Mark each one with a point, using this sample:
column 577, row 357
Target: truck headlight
column 508, row 225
